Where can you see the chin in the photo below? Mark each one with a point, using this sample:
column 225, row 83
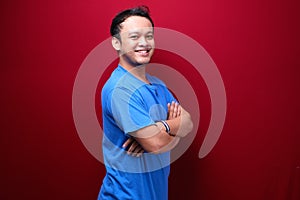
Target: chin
column 143, row 61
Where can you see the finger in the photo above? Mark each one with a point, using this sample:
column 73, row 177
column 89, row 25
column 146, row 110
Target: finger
column 140, row 152
column 132, row 147
column 127, row 142
column 175, row 110
column 175, row 114
column 137, row 150
column 168, row 105
column 179, row 111
column 172, row 107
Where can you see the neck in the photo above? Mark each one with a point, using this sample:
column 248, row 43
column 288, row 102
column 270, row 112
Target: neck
column 138, row 71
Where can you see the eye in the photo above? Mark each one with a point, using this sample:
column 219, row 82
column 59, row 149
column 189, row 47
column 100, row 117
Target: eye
column 134, row 37
column 149, row 37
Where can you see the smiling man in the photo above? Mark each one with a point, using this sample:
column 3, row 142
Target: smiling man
column 142, row 121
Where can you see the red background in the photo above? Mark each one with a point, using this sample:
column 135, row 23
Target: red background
column 255, row 46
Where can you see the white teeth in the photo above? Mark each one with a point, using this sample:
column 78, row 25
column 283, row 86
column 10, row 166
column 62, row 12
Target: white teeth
column 142, row 51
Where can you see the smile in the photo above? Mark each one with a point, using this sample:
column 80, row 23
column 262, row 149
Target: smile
column 143, row 52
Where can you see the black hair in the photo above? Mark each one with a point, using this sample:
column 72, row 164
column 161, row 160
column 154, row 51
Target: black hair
column 115, row 27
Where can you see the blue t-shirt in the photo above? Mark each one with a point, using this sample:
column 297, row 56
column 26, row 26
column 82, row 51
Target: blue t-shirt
column 129, row 104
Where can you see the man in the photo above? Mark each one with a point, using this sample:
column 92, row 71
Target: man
column 142, row 121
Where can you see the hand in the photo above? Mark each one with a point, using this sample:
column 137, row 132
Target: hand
column 174, row 110
column 134, row 148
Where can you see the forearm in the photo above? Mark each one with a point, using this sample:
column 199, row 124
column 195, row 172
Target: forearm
column 154, row 138
column 168, row 147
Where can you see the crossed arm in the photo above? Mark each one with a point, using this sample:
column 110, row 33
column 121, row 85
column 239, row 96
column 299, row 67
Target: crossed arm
column 155, row 139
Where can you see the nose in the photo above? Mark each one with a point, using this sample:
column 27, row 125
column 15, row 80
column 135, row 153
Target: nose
column 143, row 41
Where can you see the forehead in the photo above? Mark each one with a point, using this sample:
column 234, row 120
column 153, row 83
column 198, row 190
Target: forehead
column 136, row 23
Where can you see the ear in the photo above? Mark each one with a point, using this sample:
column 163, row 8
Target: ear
column 116, row 43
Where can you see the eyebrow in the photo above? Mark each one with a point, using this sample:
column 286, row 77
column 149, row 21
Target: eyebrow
column 131, row 33
column 136, row 32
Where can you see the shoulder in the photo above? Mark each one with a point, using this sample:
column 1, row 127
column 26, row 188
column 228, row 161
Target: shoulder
column 113, row 81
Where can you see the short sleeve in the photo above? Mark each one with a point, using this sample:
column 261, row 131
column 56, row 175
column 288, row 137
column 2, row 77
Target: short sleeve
column 128, row 110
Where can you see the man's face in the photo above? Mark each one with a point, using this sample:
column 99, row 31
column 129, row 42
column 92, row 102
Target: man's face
column 137, row 41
